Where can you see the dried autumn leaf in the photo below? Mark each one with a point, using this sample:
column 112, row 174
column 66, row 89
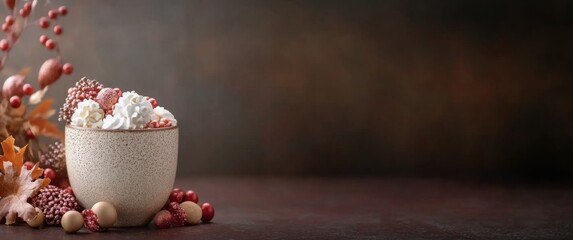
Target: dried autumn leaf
column 17, row 184
column 39, row 121
column 37, row 96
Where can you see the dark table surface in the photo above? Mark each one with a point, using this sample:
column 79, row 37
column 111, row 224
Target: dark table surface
column 317, row 208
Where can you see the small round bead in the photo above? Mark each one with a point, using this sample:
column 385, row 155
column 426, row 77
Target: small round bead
column 208, row 212
column 50, row 44
column 28, row 89
column 63, row 10
column 58, row 29
column 50, row 173
column 44, row 22
column 68, row 68
column 43, row 39
column 53, row 14
column 72, row 221
column 193, row 212
column 4, row 45
column 37, row 220
column 15, row 101
column 106, row 213
column 9, row 20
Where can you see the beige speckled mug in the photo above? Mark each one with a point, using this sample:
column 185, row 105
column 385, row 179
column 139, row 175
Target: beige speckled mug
column 132, row 169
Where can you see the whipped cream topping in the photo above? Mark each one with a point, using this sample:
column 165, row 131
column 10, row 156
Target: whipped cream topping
column 131, row 111
column 162, row 113
column 88, row 114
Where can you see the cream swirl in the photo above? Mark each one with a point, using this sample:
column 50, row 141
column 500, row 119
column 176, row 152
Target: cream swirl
column 162, row 113
column 131, row 111
column 88, row 114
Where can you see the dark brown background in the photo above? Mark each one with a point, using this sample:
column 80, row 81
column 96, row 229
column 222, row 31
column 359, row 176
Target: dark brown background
column 449, row 88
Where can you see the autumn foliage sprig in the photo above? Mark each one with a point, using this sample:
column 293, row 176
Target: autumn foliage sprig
column 19, row 19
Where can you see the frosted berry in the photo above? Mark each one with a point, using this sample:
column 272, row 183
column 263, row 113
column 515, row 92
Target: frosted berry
column 191, row 196
column 68, row 68
column 43, row 39
column 162, row 219
column 63, row 10
column 29, row 165
column 50, row 173
column 58, row 29
column 44, row 22
column 179, row 217
column 208, row 212
column 9, row 20
column 50, row 44
column 53, row 14
column 4, row 45
column 15, row 101
column 28, row 89
column 90, row 221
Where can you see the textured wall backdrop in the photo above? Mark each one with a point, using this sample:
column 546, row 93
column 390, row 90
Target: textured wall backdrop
column 340, row 87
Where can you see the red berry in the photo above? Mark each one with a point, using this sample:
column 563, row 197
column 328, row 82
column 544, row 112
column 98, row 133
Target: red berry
column 43, row 39
column 29, row 165
column 58, row 29
column 29, row 134
column 50, row 44
column 63, row 10
column 176, row 196
column 118, row 91
column 53, row 14
column 28, row 89
column 191, row 196
column 4, row 45
column 68, row 68
column 9, row 20
column 153, row 102
column 27, row 7
column 5, row 27
column 50, row 173
column 15, row 101
column 23, row 13
column 44, row 22
column 208, row 212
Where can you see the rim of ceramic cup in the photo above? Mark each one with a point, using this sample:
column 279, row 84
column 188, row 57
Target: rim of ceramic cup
column 122, row 130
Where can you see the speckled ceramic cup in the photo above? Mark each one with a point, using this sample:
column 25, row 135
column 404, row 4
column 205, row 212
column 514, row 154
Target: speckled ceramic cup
column 132, row 169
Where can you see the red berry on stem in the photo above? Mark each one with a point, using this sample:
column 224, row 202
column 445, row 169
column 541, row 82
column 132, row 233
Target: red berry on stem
column 5, row 27
column 53, row 14
column 10, row 4
column 4, row 45
column 27, row 7
column 9, row 20
column 44, row 22
column 15, row 101
column 68, row 68
column 29, row 165
column 58, row 29
column 28, row 89
column 153, row 102
column 43, row 39
column 50, row 173
column 23, row 13
column 63, row 10
column 191, row 196
column 50, row 44
column 208, row 212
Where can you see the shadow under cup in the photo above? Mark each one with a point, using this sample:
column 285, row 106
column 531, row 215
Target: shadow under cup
column 132, row 169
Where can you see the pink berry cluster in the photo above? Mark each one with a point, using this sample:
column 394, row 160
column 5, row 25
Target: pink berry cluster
column 173, row 215
column 84, row 89
column 14, row 87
